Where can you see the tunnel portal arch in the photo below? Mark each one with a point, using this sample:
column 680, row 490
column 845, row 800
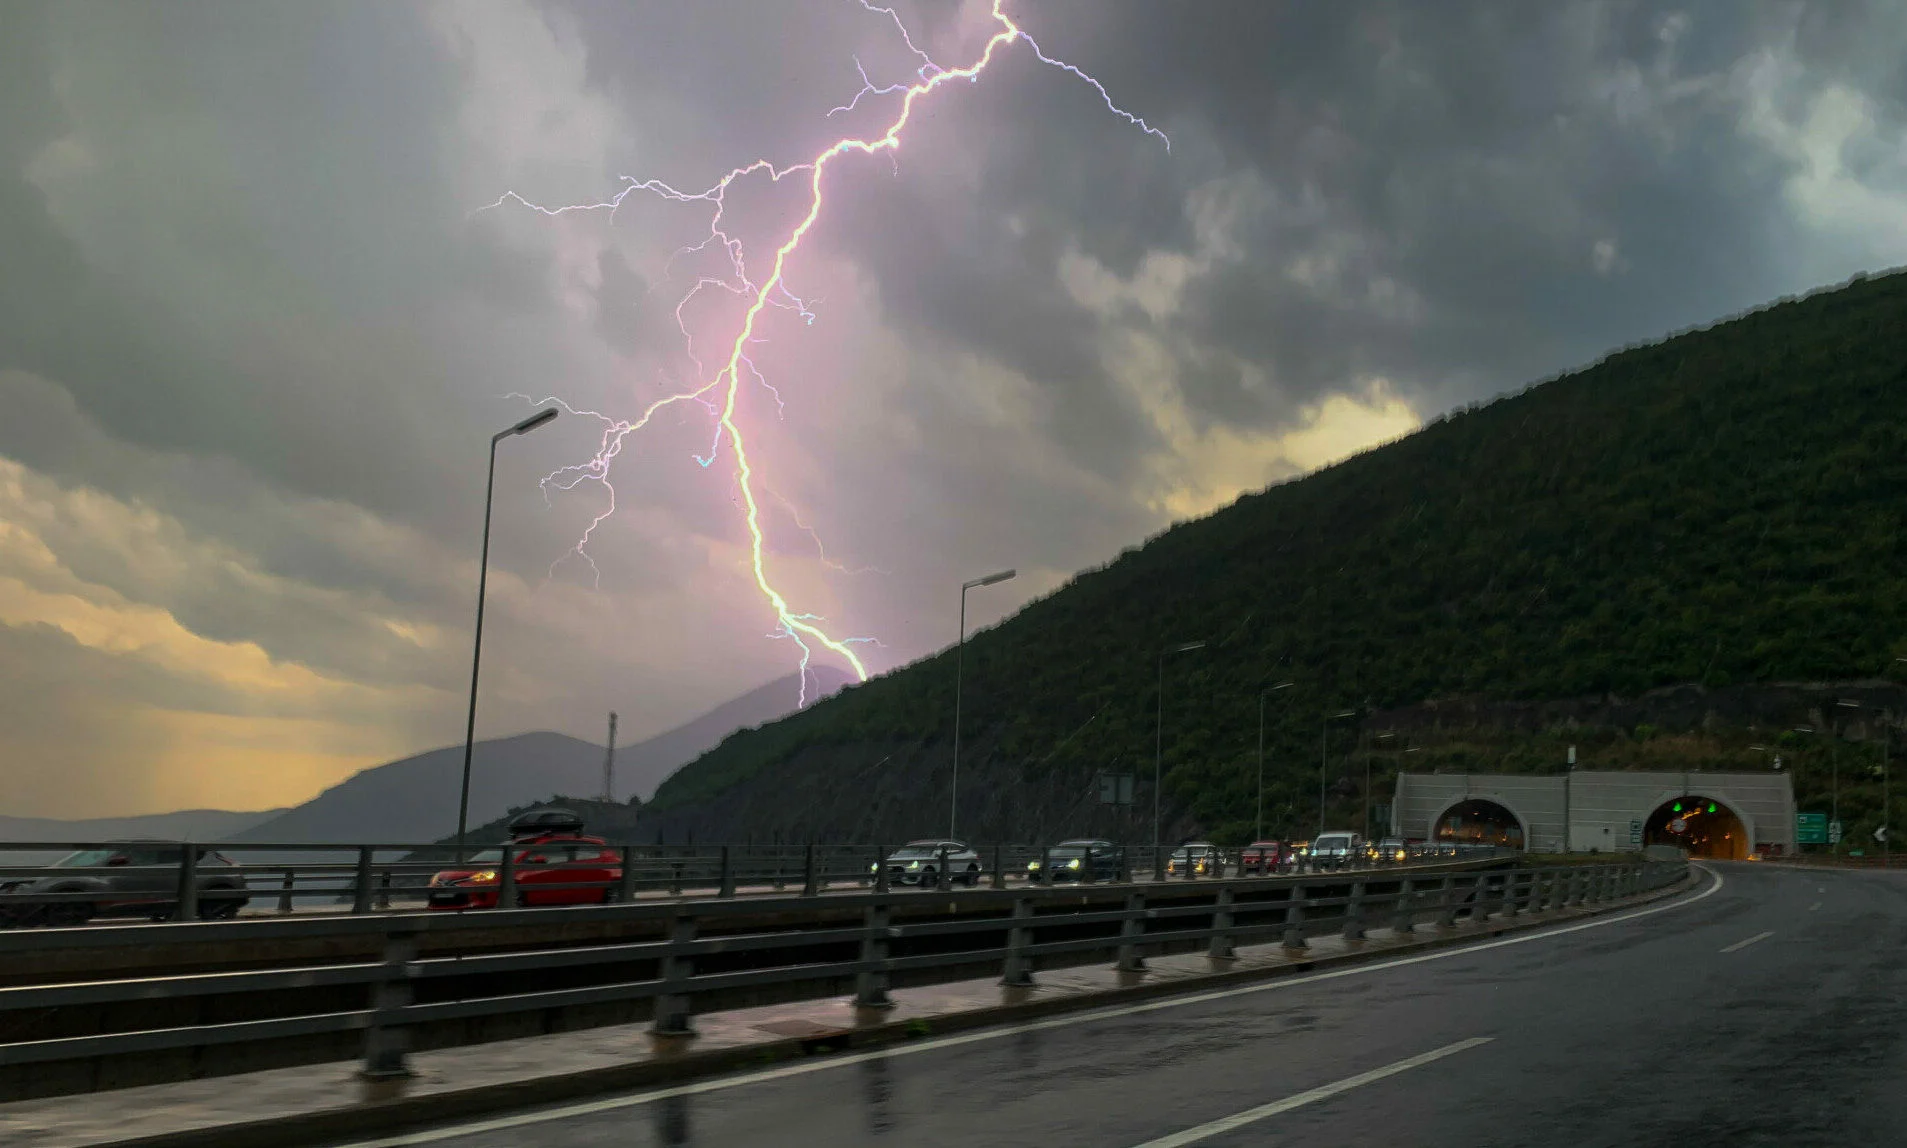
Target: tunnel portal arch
column 1478, row 820
column 1706, row 826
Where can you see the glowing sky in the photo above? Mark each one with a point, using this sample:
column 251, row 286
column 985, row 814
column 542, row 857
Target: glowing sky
column 253, row 341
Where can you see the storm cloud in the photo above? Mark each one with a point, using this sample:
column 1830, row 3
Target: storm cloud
column 257, row 320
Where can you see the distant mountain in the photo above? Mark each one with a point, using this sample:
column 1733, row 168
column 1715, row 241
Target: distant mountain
column 185, row 825
column 415, row 799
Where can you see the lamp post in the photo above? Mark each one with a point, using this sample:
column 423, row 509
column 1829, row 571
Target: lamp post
column 1834, row 766
column 1158, row 741
column 960, row 652
column 1368, row 751
column 1262, row 695
column 1324, row 753
column 483, row 578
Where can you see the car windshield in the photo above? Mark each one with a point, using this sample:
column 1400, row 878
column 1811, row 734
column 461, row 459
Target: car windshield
column 486, row 857
column 85, row 858
column 88, row 858
column 1067, row 850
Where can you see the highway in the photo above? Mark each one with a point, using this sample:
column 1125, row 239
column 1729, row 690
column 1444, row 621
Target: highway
column 1768, row 1006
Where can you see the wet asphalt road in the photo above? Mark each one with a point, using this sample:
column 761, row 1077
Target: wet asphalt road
column 1639, row 1031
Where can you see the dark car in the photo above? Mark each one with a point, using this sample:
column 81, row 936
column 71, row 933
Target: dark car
column 1077, row 860
column 555, row 864
column 1262, row 857
column 131, row 879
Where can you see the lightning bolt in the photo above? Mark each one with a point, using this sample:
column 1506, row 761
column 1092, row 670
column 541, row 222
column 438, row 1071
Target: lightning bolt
column 720, row 393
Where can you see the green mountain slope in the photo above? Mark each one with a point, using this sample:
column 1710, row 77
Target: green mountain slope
column 1722, row 507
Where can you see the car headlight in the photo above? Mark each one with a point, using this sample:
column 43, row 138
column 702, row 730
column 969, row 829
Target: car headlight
column 874, row 868
column 483, row 878
column 1073, row 864
column 913, row 864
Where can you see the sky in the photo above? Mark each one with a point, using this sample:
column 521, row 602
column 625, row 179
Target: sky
column 270, row 279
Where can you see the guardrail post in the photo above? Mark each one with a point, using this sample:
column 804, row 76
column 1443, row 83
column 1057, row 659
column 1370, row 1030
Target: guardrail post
column 1573, row 889
column 1158, row 862
column 1130, row 931
column 1512, row 891
column 284, row 890
column 187, row 908
column 1018, row 971
column 387, row 1039
column 809, row 886
column 672, row 1010
column 626, row 880
column 1354, row 913
column 728, row 875
column 384, row 890
column 781, row 870
column 1401, row 922
column 881, row 882
column 361, row 887
column 1483, row 900
column 675, row 877
column 999, row 867
column 1221, row 946
column 1046, row 865
column 870, row 984
column 1294, row 941
column 1447, row 903
column 506, row 877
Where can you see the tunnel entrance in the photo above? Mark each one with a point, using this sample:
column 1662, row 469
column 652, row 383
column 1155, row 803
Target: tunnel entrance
column 1703, row 826
column 1479, row 822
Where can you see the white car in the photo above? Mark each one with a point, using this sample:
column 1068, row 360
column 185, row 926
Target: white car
column 927, row 863
column 1337, row 849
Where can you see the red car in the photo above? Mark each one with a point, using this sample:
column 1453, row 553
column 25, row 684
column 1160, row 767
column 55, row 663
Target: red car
column 551, row 850
column 1262, row 857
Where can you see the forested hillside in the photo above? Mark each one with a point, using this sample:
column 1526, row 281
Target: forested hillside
column 1725, row 506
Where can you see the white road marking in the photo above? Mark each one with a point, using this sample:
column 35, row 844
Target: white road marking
column 610, row 1104
column 1813, row 907
column 1310, row 1096
column 1744, row 944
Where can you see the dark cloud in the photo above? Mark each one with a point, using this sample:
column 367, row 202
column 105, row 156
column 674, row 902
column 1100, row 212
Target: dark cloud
column 253, row 339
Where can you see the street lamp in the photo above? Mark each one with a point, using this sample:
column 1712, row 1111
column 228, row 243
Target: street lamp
column 1262, row 695
column 960, row 652
column 483, row 577
column 1367, row 778
column 1324, row 753
column 1158, row 743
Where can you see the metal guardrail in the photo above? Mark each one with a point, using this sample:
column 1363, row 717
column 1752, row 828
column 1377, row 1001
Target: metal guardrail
column 1287, row 909
column 304, row 878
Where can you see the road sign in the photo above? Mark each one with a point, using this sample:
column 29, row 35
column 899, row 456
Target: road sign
column 1881, row 834
column 1811, row 828
column 1115, row 789
column 1834, row 833
column 1635, row 832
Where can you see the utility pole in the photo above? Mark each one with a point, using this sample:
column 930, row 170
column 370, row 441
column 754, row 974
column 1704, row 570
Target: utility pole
column 609, row 762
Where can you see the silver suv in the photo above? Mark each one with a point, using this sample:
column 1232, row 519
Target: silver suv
column 927, row 863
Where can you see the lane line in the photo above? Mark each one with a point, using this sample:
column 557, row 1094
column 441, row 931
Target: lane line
column 1310, row 1096
column 610, row 1104
column 1814, row 907
column 1739, row 945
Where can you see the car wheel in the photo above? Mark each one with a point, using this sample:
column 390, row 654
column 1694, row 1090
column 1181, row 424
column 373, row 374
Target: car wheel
column 973, row 876
column 75, row 913
column 222, row 909
column 929, row 878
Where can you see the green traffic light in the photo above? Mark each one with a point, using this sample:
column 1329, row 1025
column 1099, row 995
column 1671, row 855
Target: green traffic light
column 1711, row 807
column 1678, row 807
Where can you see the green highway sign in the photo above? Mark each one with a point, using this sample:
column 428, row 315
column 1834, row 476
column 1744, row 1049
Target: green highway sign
column 1811, row 828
